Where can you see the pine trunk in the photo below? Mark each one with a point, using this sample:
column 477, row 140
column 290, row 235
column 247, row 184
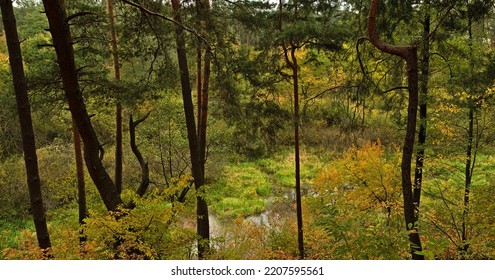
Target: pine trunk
column 409, row 54
column 203, row 228
column 468, row 179
column 118, row 106
column 423, row 103
column 27, row 132
column 59, row 29
column 81, row 189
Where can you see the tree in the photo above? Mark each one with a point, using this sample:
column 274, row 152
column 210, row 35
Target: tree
column 62, row 41
column 203, row 79
column 303, row 25
column 409, row 54
column 25, row 120
column 118, row 107
column 145, row 172
column 290, row 50
column 203, row 227
column 196, row 138
column 423, row 104
column 81, row 187
column 477, row 77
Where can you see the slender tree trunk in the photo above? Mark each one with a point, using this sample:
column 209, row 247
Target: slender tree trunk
column 81, row 189
column 199, row 63
column 468, row 173
column 409, row 54
column 468, row 179
column 297, row 160
column 59, row 29
column 26, row 124
column 423, row 101
column 294, row 66
column 203, row 227
column 205, row 87
column 118, row 109
column 292, row 62
column 145, row 171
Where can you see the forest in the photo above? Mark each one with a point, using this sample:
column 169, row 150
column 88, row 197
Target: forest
column 247, row 129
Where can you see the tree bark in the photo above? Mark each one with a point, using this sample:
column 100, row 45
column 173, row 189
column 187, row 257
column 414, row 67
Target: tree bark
column 292, row 63
column 81, row 189
column 199, row 63
column 469, row 166
column 423, row 109
column 409, row 54
column 204, row 87
column 26, row 124
column 295, row 79
column 468, row 173
column 145, row 171
column 59, row 29
column 202, row 220
column 118, row 106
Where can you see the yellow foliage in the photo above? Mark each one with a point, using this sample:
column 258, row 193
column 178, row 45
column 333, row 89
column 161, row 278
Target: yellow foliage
column 357, row 206
column 363, row 177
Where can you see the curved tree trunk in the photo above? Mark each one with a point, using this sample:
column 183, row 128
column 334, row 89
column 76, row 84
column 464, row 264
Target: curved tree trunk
column 145, row 171
column 26, row 124
column 409, row 54
column 59, row 29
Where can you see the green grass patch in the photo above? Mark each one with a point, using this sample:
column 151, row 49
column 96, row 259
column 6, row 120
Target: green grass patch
column 10, row 231
column 242, row 190
column 281, row 168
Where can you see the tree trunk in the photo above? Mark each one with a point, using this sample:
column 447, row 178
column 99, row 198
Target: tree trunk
column 409, row 54
column 293, row 65
column 81, row 190
column 205, row 87
column 468, row 173
column 202, row 220
column 292, row 62
column 295, row 79
column 118, row 109
column 25, row 120
column 199, row 63
column 145, row 171
column 423, row 102
column 59, row 29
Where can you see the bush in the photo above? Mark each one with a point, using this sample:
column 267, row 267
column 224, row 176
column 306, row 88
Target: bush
column 357, row 202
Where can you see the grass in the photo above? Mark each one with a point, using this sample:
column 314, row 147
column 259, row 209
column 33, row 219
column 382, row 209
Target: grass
column 242, row 190
column 10, row 231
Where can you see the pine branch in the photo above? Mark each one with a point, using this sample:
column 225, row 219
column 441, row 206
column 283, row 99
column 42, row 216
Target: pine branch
column 151, row 13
